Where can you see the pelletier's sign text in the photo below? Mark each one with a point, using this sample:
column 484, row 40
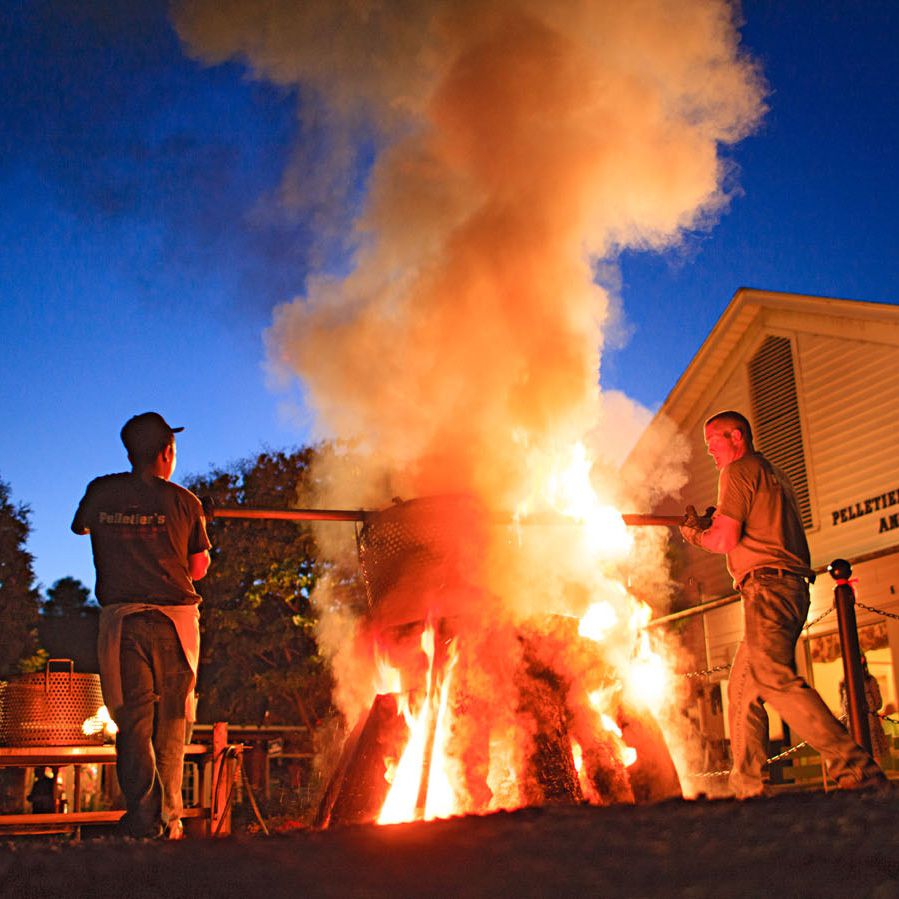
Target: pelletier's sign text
column 869, row 506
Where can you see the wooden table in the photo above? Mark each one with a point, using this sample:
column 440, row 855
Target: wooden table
column 210, row 814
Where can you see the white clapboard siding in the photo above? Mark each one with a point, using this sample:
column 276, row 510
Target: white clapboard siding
column 851, row 403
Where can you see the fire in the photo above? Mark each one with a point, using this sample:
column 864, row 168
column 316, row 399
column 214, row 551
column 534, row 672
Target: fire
column 604, row 652
column 564, row 484
column 647, row 676
column 420, row 785
column 100, row 722
column 648, row 679
column 389, row 679
column 598, row 622
column 628, row 753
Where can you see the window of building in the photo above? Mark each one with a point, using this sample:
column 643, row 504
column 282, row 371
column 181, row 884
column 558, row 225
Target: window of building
column 775, row 405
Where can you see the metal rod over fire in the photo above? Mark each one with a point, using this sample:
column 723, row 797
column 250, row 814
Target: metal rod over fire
column 287, row 514
column 249, row 512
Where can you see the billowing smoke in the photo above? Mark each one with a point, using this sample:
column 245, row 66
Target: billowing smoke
column 516, row 143
column 515, row 146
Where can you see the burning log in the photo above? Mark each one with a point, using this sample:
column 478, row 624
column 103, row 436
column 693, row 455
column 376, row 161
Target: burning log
column 358, row 786
column 653, row 777
column 551, row 762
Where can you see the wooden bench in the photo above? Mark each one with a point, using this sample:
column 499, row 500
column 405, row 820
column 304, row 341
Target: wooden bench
column 211, row 814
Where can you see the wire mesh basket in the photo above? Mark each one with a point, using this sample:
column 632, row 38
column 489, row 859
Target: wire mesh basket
column 427, row 543
column 49, row 708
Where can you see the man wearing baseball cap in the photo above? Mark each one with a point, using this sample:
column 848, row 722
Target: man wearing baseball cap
column 149, row 543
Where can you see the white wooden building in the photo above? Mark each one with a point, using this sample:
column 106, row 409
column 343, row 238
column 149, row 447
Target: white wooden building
column 818, row 379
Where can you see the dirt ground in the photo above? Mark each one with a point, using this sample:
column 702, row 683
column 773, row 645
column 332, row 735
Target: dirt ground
column 809, row 845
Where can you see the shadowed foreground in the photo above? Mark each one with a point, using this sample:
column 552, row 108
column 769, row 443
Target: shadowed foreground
column 812, row 844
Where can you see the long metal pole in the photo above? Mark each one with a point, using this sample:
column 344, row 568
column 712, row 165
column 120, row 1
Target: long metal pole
column 289, row 514
column 631, row 520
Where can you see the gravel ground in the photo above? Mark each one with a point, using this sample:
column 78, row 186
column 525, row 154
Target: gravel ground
column 809, row 844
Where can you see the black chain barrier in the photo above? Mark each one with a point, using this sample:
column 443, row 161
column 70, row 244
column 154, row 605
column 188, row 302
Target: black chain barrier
column 861, row 605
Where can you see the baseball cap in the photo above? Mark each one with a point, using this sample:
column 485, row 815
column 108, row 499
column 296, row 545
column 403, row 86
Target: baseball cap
column 147, row 434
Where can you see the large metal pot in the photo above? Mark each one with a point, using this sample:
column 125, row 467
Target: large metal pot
column 49, row 708
column 421, row 557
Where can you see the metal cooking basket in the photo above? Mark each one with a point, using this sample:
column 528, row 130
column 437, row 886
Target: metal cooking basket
column 427, row 541
column 50, row 707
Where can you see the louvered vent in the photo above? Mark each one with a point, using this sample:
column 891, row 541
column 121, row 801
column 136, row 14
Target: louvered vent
column 778, row 432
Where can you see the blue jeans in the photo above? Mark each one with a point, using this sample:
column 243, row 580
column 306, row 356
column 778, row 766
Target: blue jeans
column 764, row 671
column 152, row 725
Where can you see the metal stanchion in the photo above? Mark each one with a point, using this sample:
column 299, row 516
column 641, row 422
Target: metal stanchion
column 844, row 602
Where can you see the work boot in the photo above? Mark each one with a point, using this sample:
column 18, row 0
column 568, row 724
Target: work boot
column 868, row 781
column 129, row 826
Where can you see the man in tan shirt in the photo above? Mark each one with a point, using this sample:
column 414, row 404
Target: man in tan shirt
column 758, row 528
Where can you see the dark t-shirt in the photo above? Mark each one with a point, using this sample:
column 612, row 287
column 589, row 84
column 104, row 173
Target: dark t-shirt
column 142, row 532
column 757, row 494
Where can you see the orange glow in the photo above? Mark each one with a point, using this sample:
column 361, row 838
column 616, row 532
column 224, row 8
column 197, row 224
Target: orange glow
column 598, row 622
column 564, row 484
column 502, row 778
column 648, row 679
column 577, row 755
column 388, row 678
column 100, row 721
column 422, row 771
column 595, row 634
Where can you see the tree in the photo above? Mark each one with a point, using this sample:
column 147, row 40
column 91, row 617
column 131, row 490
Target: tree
column 68, row 598
column 259, row 659
column 18, row 596
column 69, row 624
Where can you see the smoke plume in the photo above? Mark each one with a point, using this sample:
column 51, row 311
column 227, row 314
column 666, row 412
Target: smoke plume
column 516, row 143
column 495, row 153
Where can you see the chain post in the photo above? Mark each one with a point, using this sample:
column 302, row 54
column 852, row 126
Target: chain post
column 844, row 601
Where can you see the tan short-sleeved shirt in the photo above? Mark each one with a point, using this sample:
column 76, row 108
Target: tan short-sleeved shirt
column 755, row 493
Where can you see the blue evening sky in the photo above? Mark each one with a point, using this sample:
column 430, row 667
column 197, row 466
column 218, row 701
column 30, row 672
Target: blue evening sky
column 140, row 260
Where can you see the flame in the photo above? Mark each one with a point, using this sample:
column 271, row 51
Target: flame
column 648, row 678
column 388, row 679
column 100, row 722
column 598, row 622
column 627, row 754
column 421, row 775
column 577, row 754
column 441, row 798
column 564, row 484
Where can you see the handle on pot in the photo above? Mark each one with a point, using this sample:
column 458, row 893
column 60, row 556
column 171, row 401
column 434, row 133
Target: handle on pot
column 69, row 662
